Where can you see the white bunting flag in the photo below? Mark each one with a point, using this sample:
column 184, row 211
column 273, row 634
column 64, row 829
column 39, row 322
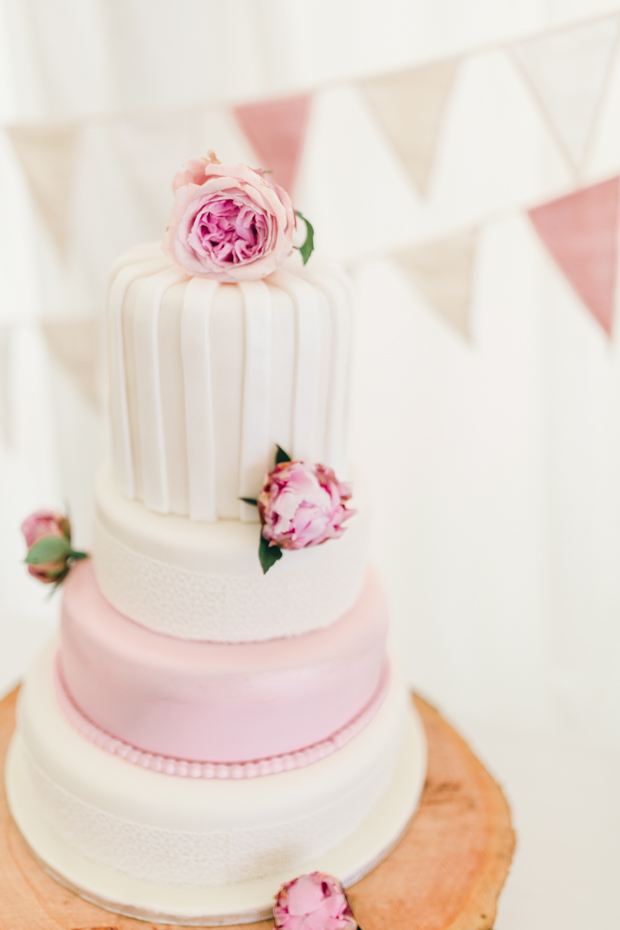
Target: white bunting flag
column 410, row 106
column 443, row 273
column 567, row 72
column 76, row 345
column 47, row 155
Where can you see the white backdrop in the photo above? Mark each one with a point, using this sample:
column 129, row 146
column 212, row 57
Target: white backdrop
column 494, row 464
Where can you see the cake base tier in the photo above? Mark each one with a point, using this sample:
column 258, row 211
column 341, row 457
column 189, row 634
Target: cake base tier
column 242, row 902
column 445, row 874
column 190, row 832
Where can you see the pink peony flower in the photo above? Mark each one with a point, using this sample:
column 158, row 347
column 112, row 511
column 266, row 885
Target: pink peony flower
column 49, row 562
column 313, row 902
column 228, row 222
column 302, row 505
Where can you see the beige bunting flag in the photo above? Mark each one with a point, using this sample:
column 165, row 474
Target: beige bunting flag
column 47, row 155
column 443, row 273
column 76, row 345
column 410, row 107
column 567, row 72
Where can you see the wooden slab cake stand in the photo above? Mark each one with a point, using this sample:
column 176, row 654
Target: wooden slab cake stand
column 445, row 874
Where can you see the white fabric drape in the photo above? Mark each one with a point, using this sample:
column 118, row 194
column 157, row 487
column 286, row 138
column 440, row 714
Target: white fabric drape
column 493, row 463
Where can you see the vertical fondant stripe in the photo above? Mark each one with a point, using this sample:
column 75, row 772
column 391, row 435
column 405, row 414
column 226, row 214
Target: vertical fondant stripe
column 256, row 452
column 340, row 327
column 307, row 364
column 196, row 354
column 146, row 316
column 119, row 415
column 347, row 367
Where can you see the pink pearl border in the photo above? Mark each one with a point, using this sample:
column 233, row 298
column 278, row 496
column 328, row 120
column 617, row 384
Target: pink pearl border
column 184, row 769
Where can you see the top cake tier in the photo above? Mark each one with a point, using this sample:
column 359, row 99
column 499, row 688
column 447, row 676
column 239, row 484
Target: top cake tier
column 206, row 378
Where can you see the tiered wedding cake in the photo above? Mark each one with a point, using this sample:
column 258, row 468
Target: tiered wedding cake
column 209, row 723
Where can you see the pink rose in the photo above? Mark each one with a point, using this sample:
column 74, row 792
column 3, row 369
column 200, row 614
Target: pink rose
column 302, row 505
column 45, row 523
column 228, row 222
column 48, row 537
column 313, row 902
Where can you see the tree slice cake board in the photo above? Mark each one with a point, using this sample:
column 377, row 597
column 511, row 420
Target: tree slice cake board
column 445, row 874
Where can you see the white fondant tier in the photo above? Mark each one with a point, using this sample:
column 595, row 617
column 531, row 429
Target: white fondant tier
column 191, row 832
column 204, row 581
column 205, row 378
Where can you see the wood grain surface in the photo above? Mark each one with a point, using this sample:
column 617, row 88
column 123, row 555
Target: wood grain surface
column 446, row 873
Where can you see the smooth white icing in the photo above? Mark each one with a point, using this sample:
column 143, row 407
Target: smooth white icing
column 205, row 379
column 193, row 831
column 204, row 581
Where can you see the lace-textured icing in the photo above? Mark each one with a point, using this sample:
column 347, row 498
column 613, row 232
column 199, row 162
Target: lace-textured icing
column 228, row 608
column 193, row 859
column 188, row 769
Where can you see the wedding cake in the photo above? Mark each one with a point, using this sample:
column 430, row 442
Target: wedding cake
column 218, row 713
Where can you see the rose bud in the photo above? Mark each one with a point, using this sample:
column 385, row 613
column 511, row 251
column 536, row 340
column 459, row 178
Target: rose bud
column 48, row 537
column 313, row 902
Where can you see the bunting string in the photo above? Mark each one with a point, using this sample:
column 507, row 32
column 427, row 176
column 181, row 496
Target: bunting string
column 566, row 72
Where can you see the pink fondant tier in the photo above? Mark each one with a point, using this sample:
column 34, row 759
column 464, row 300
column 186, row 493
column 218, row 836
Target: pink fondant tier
column 218, row 702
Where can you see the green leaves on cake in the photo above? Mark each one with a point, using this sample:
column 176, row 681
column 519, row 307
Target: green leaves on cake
column 301, row 504
column 50, row 554
column 230, row 222
column 307, row 248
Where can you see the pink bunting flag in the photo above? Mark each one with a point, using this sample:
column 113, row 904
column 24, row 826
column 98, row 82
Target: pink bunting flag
column 276, row 130
column 581, row 233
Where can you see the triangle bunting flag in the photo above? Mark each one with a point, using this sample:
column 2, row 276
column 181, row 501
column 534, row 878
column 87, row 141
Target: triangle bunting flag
column 75, row 344
column 276, row 130
column 47, row 155
column 580, row 231
column 443, row 273
column 567, row 72
column 410, row 106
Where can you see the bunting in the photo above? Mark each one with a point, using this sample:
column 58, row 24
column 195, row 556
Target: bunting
column 276, row 130
column 76, row 346
column 567, row 72
column 410, row 107
column 580, row 232
column 443, row 273
column 47, row 156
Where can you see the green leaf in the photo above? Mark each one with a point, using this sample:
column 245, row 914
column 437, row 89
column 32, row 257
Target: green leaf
column 48, row 549
column 58, row 583
column 281, row 455
column 249, row 500
column 268, row 555
column 77, row 555
column 307, row 248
